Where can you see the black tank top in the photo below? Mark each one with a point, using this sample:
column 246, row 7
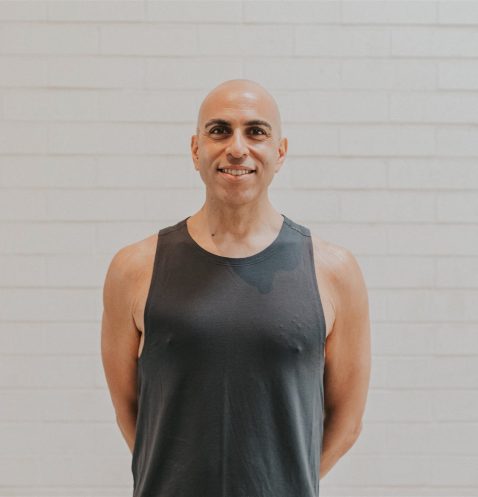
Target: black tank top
column 230, row 378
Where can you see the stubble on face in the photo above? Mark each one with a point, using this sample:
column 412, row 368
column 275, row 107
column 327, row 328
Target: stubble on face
column 239, row 101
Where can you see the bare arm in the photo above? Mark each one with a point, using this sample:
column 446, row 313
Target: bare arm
column 120, row 339
column 347, row 361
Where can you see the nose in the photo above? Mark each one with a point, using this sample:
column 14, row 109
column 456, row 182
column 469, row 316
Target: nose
column 237, row 147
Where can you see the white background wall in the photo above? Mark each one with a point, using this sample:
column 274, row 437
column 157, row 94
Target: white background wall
column 98, row 101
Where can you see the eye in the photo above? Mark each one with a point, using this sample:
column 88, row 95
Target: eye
column 254, row 130
column 260, row 129
column 216, row 128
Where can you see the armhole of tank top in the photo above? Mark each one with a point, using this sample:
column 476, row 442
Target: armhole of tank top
column 148, row 301
column 315, row 283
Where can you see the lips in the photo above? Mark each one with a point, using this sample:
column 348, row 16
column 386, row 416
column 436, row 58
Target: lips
column 236, row 168
column 228, row 175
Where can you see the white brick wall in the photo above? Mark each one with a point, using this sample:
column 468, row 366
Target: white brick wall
column 379, row 100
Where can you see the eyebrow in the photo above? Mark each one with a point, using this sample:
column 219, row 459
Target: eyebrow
column 223, row 122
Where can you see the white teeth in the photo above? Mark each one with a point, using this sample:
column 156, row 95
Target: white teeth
column 236, row 172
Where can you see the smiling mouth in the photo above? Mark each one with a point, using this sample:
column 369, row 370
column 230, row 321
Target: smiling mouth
column 236, row 172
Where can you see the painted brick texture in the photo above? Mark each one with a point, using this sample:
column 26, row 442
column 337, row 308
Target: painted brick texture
column 379, row 101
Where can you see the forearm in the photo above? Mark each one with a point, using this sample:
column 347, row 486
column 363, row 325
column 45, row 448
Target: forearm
column 338, row 438
column 127, row 424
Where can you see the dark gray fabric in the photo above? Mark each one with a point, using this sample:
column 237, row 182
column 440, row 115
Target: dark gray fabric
column 230, row 378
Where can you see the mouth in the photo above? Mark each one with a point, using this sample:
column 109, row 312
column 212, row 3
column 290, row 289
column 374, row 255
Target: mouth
column 236, row 173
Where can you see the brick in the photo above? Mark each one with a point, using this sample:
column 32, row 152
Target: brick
column 22, row 71
column 47, row 171
column 392, row 207
column 297, row 12
column 28, row 205
column 457, row 272
column 245, row 41
column 104, row 11
column 437, row 173
column 49, row 39
column 49, row 337
column 458, row 12
column 25, row 10
column 457, row 75
column 433, row 239
column 387, row 140
column 390, row 12
column 457, row 141
column 457, row 207
column 330, row 106
column 190, row 73
column 321, row 173
column 193, row 11
column 22, row 138
column 95, row 72
column 341, row 41
column 434, row 108
column 433, row 42
column 148, row 40
column 51, row 105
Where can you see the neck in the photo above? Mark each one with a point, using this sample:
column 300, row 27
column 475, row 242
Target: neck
column 236, row 223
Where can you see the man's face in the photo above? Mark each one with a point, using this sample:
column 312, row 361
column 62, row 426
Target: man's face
column 238, row 128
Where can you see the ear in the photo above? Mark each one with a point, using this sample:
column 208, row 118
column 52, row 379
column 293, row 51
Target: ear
column 194, row 150
column 282, row 152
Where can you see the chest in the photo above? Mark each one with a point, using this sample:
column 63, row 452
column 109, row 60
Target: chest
column 293, row 316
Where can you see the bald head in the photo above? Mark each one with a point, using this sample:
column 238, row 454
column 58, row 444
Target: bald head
column 244, row 93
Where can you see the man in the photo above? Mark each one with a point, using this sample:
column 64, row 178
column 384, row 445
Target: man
column 236, row 344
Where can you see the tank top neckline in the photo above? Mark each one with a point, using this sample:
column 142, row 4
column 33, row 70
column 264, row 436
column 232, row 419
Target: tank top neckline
column 236, row 261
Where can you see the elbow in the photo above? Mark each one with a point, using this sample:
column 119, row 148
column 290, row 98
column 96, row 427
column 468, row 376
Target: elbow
column 354, row 434
column 126, row 415
column 358, row 429
column 347, row 424
column 342, row 429
column 120, row 422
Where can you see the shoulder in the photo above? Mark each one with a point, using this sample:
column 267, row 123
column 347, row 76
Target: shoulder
column 341, row 268
column 128, row 265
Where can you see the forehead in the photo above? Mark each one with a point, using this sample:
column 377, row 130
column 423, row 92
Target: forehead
column 238, row 106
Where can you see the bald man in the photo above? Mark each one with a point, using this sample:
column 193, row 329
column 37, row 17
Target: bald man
column 236, row 343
